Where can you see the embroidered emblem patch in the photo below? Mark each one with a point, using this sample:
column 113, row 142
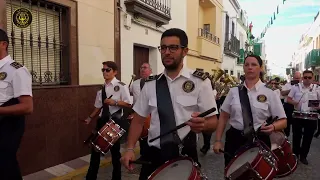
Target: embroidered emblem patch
column 188, row 86
column 116, row 88
column 3, row 75
column 262, row 98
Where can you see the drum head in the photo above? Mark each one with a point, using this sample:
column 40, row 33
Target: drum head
column 180, row 170
column 277, row 139
column 248, row 156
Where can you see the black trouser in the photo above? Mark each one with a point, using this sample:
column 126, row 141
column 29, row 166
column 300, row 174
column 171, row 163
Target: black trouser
column 95, row 159
column 143, row 142
column 154, row 155
column 288, row 108
column 235, row 140
column 309, row 127
column 11, row 132
column 206, row 139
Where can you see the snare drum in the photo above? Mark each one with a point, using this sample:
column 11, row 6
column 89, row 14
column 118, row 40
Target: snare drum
column 107, row 136
column 281, row 147
column 182, row 168
column 252, row 162
column 305, row 115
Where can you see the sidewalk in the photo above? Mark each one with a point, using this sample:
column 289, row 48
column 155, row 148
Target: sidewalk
column 76, row 169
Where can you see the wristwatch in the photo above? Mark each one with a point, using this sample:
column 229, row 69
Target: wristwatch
column 116, row 102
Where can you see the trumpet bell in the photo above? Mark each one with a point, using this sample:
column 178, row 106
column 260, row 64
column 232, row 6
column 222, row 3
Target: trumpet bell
column 217, row 74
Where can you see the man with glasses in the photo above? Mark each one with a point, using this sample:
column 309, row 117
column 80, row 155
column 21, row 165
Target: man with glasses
column 15, row 102
column 135, row 89
column 288, row 108
column 172, row 98
column 300, row 96
column 109, row 108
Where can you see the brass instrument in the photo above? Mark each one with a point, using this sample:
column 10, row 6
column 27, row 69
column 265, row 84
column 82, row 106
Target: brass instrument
column 228, row 84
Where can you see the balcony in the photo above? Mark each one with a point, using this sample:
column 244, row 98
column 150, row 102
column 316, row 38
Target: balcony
column 158, row 11
column 209, row 3
column 208, row 44
column 232, row 47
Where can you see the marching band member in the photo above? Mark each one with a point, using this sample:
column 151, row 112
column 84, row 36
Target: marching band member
column 300, row 96
column 135, row 89
column 264, row 104
column 173, row 97
column 111, row 108
column 288, row 108
column 16, row 101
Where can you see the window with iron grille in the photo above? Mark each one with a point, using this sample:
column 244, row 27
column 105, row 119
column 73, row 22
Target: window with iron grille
column 39, row 47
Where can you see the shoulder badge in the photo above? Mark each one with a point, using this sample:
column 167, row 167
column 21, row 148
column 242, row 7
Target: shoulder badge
column 151, row 78
column 116, row 88
column 16, row 65
column 121, row 83
column 188, row 86
column 3, row 75
column 262, row 98
column 200, row 74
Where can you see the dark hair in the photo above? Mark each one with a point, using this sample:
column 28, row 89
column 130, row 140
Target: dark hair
column 4, row 37
column 277, row 79
column 178, row 33
column 255, row 56
column 307, row 71
column 261, row 75
column 111, row 65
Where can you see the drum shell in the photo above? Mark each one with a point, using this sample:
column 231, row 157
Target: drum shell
column 259, row 164
column 305, row 115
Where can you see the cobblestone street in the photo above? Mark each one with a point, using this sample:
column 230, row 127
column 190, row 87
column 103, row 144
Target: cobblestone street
column 213, row 166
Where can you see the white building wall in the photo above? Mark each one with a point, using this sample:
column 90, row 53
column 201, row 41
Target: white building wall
column 229, row 63
column 144, row 33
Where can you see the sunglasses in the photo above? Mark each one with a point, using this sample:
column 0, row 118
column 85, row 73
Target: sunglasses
column 307, row 77
column 106, row 69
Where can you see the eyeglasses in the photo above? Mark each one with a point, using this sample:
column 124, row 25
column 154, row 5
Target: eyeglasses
column 106, row 69
column 172, row 48
column 307, row 77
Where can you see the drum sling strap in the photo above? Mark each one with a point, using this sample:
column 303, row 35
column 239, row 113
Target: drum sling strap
column 105, row 116
column 169, row 143
column 248, row 130
column 142, row 82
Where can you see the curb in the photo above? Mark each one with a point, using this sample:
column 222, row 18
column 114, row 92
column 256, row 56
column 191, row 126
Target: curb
column 82, row 171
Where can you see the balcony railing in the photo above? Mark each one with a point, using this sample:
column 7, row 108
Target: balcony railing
column 207, row 35
column 156, row 10
column 232, row 47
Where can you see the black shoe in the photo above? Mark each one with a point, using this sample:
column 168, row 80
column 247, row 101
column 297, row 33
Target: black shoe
column 304, row 161
column 205, row 149
column 316, row 135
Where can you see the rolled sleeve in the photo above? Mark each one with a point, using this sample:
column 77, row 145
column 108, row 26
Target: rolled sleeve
column 226, row 106
column 141, row 106
column 292, row 92
column 206, row 98
column 276, row 107
column 125, row 94
column 22, row 83
column 98, row 101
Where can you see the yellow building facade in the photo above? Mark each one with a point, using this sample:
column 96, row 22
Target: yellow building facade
column 204, row 29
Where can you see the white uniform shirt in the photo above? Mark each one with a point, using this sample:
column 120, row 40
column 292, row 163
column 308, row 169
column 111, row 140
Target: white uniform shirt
column 135, row 89
column 118, row 91
column 15, row 80
column 300, row 93
column 286, row 87
column 199, row 100
column 261, row 111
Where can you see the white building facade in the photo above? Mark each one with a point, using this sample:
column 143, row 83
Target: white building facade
column 141, row 27
column 235, row 36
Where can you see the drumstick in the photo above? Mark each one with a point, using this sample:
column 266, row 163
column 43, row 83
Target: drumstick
column 226, row 153
column 269, row 123
column 140, row 162
column 184, row 124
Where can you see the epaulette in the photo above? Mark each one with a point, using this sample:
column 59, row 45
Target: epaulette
column 297, row 84
column 121, row 83
column 16, row 65
column 151, row 78
column 200, row 74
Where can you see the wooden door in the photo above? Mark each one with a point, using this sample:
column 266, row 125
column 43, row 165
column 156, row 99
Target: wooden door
column 140, row 56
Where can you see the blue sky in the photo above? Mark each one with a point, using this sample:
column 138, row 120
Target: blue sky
column 282, row 38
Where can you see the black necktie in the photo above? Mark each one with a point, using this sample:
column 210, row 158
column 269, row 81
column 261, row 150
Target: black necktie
column 142, row 82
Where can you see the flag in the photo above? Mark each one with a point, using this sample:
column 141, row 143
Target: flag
column 278, row 9
column 274, row 16
column 283, row 1
column 271, row 21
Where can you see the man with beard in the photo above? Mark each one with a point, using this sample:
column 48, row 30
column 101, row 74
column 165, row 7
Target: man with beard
column 174, row 97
